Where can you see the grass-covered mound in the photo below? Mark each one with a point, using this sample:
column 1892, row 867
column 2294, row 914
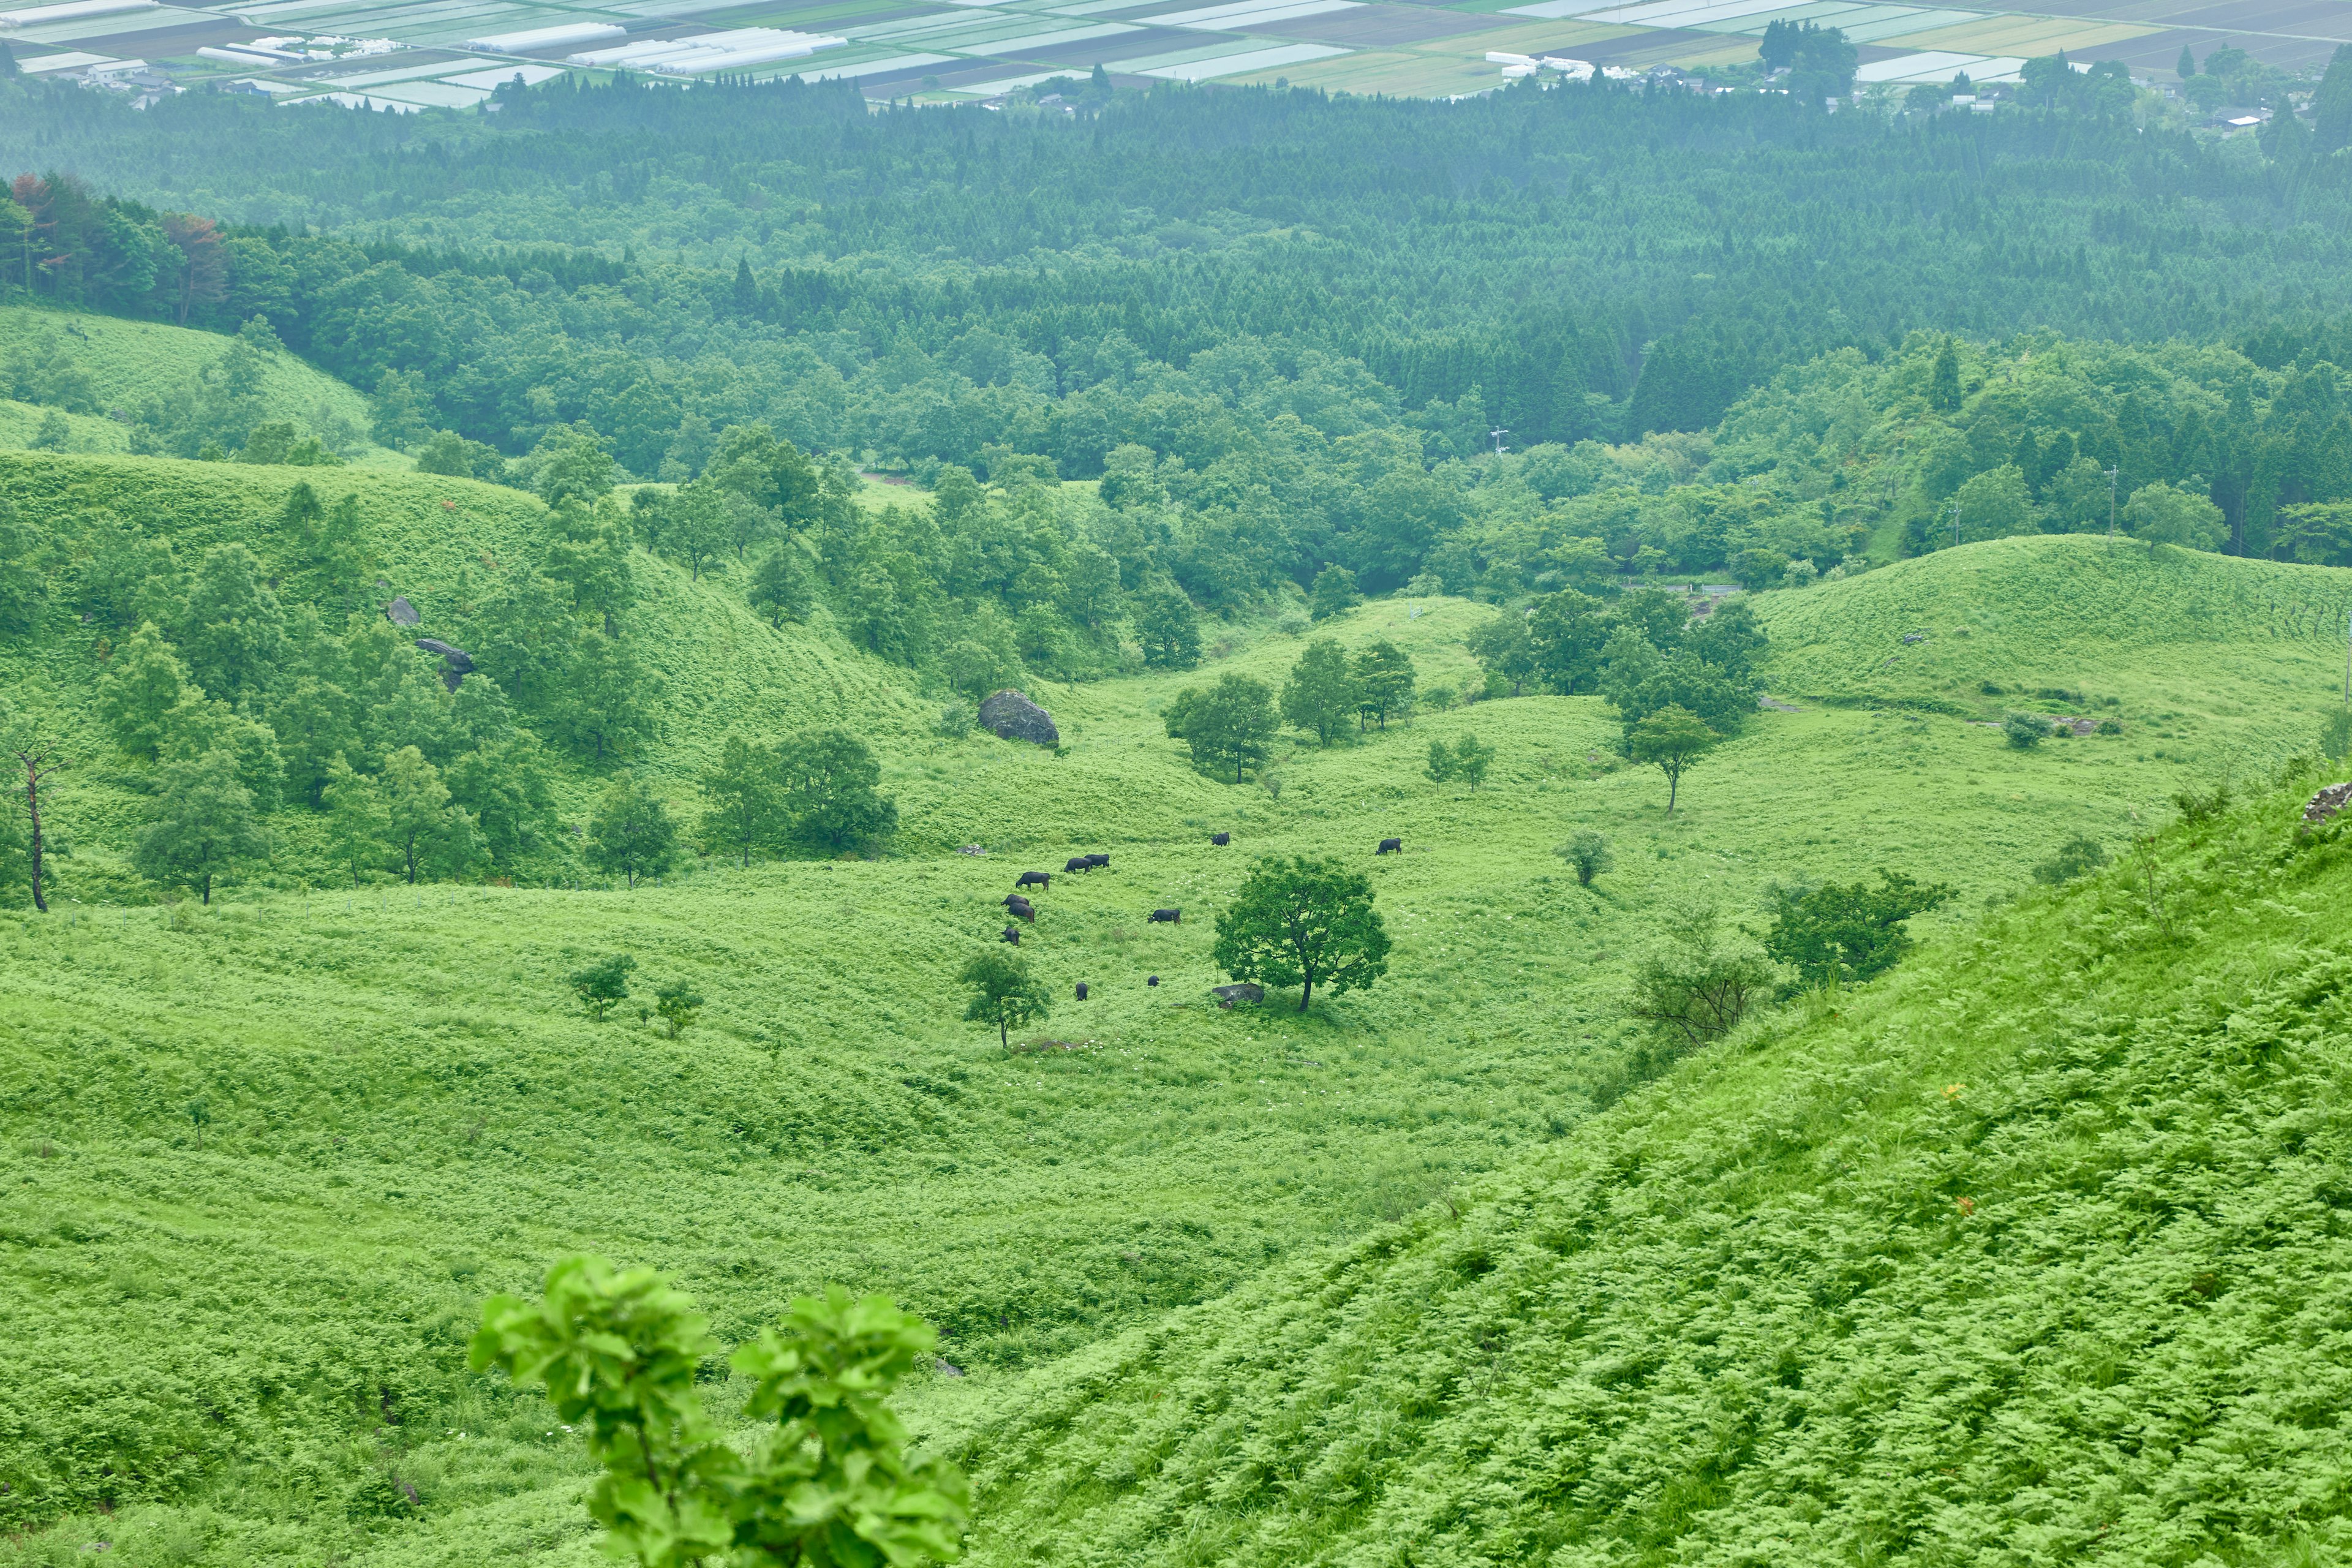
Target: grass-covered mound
column 2080, row 614
column 113, row 363
column 2036, row 1252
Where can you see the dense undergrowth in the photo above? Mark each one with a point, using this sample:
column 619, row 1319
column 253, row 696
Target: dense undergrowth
column 2035, row 1253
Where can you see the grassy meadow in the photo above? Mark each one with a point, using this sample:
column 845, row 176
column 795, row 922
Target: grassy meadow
column 263, row 1161
column 2033, row 1252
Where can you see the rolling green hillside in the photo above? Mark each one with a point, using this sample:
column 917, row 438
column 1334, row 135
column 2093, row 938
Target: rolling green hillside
column 2217, row 639
column 242, row 1326
column 125, row 362
column 2035, row 1253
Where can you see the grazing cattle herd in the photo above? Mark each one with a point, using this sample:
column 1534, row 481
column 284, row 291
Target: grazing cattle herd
column 1016, row 904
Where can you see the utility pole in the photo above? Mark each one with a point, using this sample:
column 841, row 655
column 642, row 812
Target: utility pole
column 2112, row 471
column 1498, row 435
column 1956, row 522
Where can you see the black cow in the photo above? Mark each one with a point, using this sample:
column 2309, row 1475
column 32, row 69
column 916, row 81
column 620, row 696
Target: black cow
column 1221, row 839
column 1012, row 936
column 1082, row 990
column 1075, row 863
column 1022, row 907
column 1391, row 846
column 1166, row 917
column 1102, row 860
column 1153, row 981
column 1033, row 880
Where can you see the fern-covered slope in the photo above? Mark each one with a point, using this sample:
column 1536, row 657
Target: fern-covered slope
column 2036, row 1253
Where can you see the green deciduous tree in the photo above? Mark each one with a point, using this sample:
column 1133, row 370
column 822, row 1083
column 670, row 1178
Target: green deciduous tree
column 1587, row 853
column 1384, row 681
column 745, row 792
column 1995, row 504
column 1003, row 992
column 314, row 726
column 2166, row 514
column 604, row 704
column 1845, row 933
column 1472, row 757
column 1334, row 593
column 230, row 628
column 1321, row 694
column 1672, row 738
column 427, row 829
column 197, row 725
column 357, row 825
column 144, row 682
column 603, row 984
column 1168, row 628
column 590, row 555
column 830, row 795
column 1699, row 979
column 573, row 465
column 630, row 832
column 204, row 825
column 782, row 585
column 1228, row 725
column 829, row 1485
column 1441, row 763
column 1303, row 922
column 677, row 1006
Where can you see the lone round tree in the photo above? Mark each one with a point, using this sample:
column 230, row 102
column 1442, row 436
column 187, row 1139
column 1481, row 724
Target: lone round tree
column 1303, row 922
column 1003, row 992
column 1674, row 738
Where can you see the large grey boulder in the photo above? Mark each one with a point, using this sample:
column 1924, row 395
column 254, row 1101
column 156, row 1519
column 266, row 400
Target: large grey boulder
column 455, row 662
column 401, row 612
column 1010, row 716
column 1227, row 995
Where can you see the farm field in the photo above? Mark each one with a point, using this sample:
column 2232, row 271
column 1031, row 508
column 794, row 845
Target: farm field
column 450, row 58
column 404, row 1108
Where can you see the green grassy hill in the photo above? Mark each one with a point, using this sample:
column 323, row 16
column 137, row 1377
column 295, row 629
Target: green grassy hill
column 2035, row 1253
column 240, row 1329
column 2186, row 639
column 128, row 362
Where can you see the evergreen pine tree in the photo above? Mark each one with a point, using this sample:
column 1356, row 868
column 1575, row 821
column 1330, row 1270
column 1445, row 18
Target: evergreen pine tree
column 2331, row 106
column 1944, row 386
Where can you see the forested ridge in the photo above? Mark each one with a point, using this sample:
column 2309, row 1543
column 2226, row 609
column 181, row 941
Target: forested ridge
column 1591, row 261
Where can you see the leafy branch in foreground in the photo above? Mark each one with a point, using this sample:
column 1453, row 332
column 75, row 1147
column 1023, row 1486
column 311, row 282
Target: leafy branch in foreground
column 830, row 1485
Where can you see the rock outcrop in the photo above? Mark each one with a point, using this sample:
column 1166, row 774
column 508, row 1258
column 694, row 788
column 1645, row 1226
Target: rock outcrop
column 2324, row 805
column 1010, row 716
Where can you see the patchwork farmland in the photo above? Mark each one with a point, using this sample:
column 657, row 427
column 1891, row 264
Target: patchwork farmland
column 409, row 56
